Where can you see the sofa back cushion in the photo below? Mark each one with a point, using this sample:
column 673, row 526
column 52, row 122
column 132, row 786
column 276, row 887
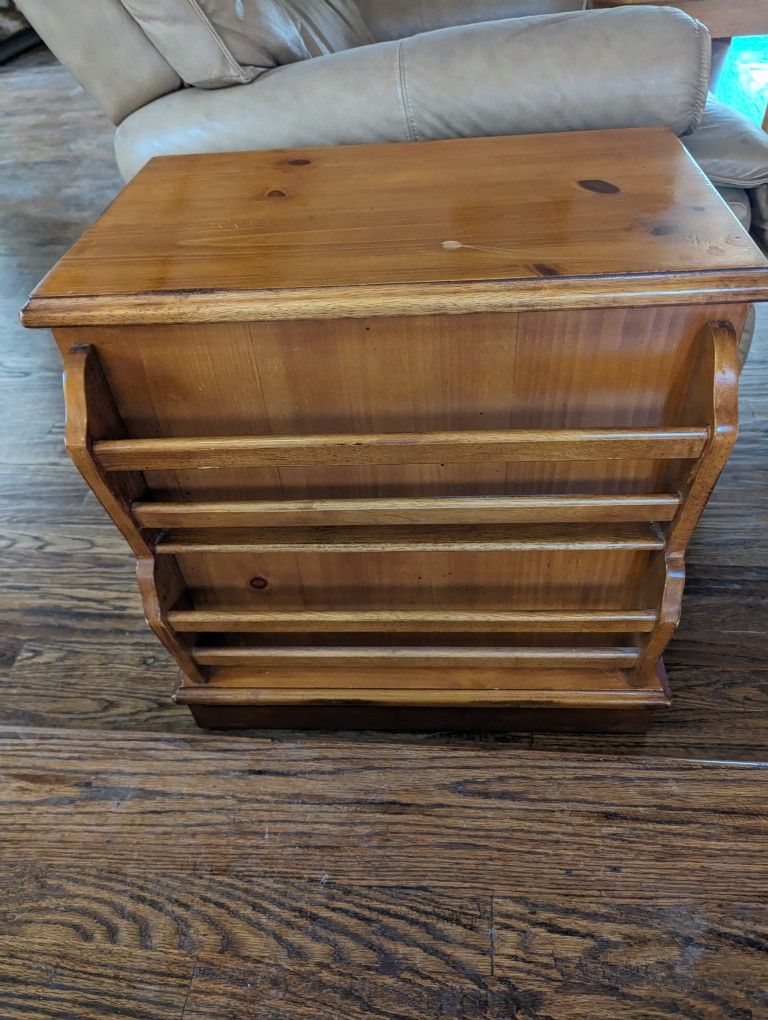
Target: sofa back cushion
column 213, row 43
column 399, row 19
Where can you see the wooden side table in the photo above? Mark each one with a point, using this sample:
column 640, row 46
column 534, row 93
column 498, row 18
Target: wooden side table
column 410, row 434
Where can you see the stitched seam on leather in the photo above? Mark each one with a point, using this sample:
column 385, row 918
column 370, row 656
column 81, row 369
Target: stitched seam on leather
column 403, row 90
column 702, row 87
column 731, row 182
column 237, row 69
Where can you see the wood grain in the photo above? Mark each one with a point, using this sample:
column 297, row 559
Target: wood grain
column 392, row 448
column 634, row 961
column 400, row 538
column 415, row 509
column 117, row 681
column 293, row 240
column 39, row 978
column 237, row 919
column 391, row 621
column 321, row 303
column 442, row 815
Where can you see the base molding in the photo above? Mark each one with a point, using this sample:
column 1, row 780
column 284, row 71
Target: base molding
column 590, row 708
column 405, row 719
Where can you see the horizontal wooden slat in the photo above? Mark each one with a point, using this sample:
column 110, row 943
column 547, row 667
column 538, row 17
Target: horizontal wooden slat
column 415, row 658
column 397, row 448
column 212, row 620
column 411, row 510
column 569, row 689
column 396, row 538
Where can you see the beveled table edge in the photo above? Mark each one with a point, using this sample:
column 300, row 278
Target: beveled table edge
column 735, row 286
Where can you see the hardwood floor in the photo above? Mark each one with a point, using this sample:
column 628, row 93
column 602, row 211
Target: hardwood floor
column 230, row 877
column 150, row 871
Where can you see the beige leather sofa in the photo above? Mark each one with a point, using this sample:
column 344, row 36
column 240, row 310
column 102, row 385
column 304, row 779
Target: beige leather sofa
column 203, row 75
column 179, row 76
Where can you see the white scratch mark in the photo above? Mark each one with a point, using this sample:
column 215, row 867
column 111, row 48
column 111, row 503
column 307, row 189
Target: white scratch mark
column 454, row 245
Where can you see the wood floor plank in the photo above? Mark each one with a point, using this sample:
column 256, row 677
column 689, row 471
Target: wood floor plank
column 241, row 917
column 79, row 592
column 44, row 979
column 83, row 682
column 715, row 713
column 9, row 652
column 610, row 958
column 443, row 816
column 257, row 992
column 62, row 538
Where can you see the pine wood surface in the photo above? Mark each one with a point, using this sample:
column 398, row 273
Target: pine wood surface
column 679, row 930
column 574, row 219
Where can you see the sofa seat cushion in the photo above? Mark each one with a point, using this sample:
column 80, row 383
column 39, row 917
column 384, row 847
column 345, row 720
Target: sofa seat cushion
column 747, row 335
column 738, row 202
column 398, row 19
column 730, row 149
column 759, row 199
column 215, row 43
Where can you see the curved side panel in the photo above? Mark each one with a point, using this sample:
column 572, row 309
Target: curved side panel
column 160, row 586
column 668, row 578
column 91, row 415
column 713, row 400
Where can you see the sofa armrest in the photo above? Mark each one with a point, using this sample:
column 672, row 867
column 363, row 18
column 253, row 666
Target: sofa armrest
column 105, row 50
column 398, row 19
column 629, row 67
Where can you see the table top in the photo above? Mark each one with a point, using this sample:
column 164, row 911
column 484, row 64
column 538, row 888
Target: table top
column 579, row 219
